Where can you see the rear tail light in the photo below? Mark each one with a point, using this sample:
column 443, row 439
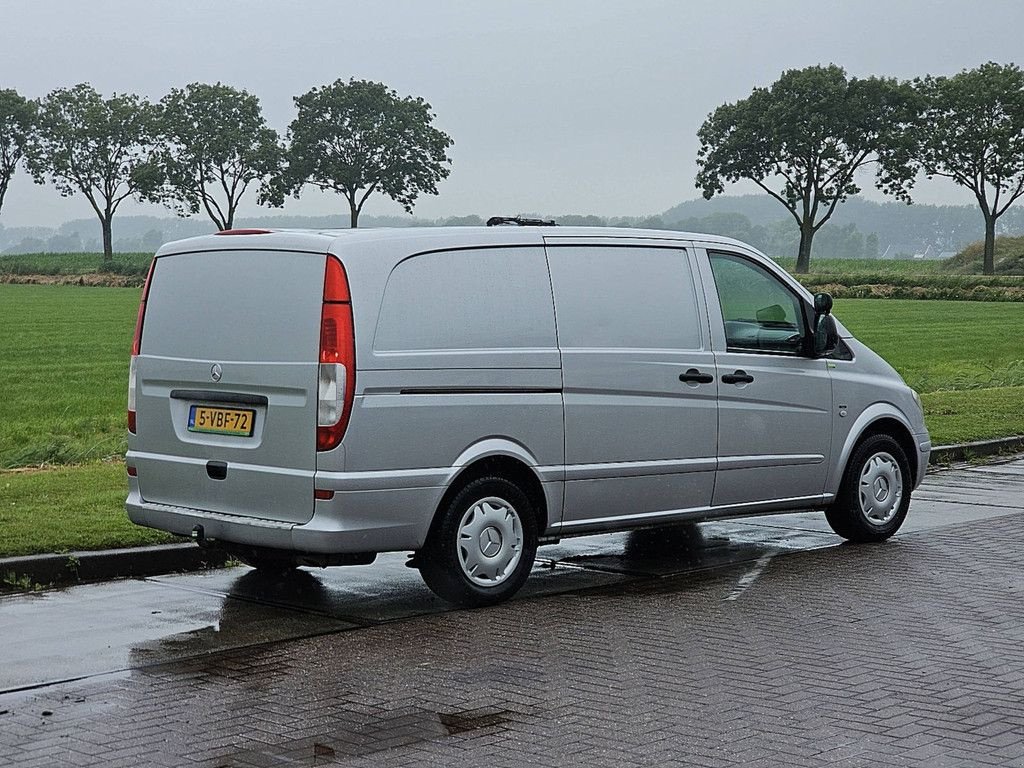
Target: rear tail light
column 337, row 371
column 136, row 347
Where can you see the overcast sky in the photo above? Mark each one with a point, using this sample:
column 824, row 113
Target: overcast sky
column 555, row 107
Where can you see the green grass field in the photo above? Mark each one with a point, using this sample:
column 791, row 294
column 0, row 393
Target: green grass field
column 64, row 372
column 964, row 357
column 64, row 367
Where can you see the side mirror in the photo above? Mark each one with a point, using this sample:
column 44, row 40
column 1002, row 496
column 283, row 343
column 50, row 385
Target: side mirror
column 826, row 335
column 822, row 304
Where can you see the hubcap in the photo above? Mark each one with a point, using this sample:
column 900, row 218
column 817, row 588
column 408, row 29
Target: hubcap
column 881, row 488
column 490, row 541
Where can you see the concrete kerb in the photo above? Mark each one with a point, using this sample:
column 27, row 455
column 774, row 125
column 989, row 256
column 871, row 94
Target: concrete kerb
column 72, row 567
column 946, row 454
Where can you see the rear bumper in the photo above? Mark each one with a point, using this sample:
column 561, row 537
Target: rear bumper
column 352, row 522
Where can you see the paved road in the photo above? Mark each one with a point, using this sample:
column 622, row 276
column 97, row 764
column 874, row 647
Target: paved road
column 754, row 643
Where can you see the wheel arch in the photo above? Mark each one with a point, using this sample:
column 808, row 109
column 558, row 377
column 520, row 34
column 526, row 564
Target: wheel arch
column 880, row 418
column 504, row 459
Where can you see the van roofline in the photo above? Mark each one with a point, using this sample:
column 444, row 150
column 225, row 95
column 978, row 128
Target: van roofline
column 322, row 240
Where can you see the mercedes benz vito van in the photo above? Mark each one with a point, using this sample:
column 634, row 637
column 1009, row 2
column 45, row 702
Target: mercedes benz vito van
column 467, row 394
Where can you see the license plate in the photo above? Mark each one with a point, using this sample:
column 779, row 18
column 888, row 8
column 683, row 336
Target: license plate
column 222, row 421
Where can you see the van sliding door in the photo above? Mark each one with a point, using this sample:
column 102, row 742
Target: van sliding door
column 640, row 395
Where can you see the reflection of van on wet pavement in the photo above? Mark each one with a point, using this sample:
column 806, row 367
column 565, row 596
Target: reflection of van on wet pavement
column 469, row 393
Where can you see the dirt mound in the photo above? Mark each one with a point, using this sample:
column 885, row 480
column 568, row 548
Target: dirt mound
column 1009, row 257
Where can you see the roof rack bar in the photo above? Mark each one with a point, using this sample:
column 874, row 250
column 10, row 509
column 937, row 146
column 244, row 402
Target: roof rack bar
column 519, row 221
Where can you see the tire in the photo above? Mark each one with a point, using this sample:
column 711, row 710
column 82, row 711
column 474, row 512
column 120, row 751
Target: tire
column 457, row 561
column 875, row 493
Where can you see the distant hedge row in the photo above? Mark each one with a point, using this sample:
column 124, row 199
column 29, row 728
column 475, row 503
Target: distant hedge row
column 958, row 291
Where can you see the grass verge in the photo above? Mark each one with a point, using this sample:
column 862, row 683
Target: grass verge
column 63, row 509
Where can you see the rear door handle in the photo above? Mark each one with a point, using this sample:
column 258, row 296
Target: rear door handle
column 693, row 376
column 739, row 377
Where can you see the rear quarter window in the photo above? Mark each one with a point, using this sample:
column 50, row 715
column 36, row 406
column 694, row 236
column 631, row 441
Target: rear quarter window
column 488, row 298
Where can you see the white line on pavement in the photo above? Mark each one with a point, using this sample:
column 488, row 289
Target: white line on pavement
column 748, row 578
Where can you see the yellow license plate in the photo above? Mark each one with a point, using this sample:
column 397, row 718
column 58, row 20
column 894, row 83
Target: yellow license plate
column 222, row 421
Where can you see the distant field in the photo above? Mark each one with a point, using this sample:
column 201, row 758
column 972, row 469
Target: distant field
column 65, row 367
column 868, row 266
column 72, row 263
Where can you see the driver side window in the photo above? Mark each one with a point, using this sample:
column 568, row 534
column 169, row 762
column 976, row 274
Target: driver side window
column 760, row 313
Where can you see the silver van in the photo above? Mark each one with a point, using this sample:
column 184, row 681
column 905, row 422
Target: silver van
column 467, row 394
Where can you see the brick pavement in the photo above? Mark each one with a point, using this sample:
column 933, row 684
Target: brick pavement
column 909, row 653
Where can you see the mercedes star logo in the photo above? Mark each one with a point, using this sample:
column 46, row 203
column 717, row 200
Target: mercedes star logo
column 490, row 542
column 216, row 372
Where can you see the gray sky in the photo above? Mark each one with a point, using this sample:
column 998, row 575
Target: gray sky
column 558, row 107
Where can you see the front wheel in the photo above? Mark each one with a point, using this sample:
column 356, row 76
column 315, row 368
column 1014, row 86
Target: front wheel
column 875, row 493
column 482, row 546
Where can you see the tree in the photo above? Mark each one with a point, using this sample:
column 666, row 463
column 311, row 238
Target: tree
column 17, row 116
column 871, row 246
column 215, row 145
column 972, row 132
column 803, row 140
column 359, row 137
column 99, row 147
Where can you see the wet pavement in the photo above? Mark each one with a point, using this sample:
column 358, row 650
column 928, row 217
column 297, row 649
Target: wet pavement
column 364, row 664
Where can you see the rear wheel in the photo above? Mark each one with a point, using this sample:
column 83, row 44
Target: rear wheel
column 483, row 544
column 875, row 493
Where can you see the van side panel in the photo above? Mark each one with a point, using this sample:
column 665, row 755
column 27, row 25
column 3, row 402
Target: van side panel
column 463, row 352
column 256, row 316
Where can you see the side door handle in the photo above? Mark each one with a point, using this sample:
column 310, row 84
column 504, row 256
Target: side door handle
column 739, row 377
column 693, row 376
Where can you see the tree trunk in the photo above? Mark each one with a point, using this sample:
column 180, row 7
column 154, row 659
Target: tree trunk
column 108, row 240
column 803, row 259
column 990, row 245
column 354, row 213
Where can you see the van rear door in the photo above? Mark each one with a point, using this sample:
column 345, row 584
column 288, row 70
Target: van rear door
column 226, row 383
